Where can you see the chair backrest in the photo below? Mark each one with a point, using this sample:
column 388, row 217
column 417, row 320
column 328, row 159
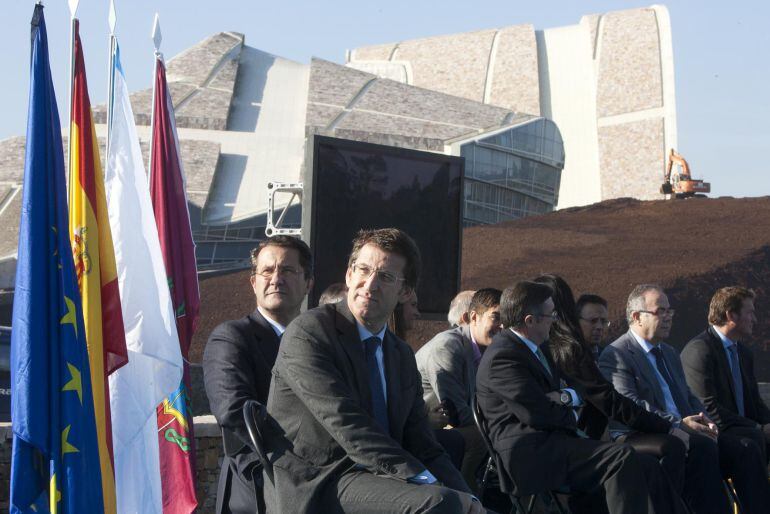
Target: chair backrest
column 481, row 423
column 255, row 415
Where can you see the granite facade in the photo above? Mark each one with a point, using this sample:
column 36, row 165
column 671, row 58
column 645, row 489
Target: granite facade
column 514, row 71
column 630, row 159
column 630, row 75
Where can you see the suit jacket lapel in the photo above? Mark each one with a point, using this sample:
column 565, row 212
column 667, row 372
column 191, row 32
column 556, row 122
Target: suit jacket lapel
column 724, row 365
column 392, row 361
column 345, row 324
column 265, row 340
column 552, row 381
column 640, row 358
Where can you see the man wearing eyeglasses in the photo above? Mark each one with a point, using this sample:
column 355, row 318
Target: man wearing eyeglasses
column 351, row 432
column 534, row 434
column 239, row 356
column 594, row 320
column 647, row 370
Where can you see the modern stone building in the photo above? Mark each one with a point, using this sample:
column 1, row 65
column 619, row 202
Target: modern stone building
column 246, row 118
column 607, row 82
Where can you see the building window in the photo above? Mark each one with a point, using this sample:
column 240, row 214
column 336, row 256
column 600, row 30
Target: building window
column 512, row 174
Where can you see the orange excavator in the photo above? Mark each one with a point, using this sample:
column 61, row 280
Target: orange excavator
column 677, row 181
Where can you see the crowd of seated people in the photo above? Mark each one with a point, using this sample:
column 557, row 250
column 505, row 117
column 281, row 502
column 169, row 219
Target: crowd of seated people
column 359, row 422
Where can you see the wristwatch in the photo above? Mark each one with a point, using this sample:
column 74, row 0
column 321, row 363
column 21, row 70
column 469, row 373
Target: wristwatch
column 566, row 398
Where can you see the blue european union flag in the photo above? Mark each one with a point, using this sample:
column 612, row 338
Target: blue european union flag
column 55, row 461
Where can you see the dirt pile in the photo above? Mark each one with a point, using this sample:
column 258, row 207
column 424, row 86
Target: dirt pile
column 690, row 247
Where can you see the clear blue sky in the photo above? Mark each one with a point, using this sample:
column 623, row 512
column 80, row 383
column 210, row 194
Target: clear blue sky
column 721, row 55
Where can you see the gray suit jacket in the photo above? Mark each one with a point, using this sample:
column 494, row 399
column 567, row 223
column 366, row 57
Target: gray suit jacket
column 448, row 372
column 625, row 363
column 322, row 419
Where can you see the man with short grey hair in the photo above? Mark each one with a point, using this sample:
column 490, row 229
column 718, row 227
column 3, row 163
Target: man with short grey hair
column 459, row 308
column 647, row 370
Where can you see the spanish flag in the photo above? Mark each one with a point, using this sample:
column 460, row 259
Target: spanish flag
column 94, row 265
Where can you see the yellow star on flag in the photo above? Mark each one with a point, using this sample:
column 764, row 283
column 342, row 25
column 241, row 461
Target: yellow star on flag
column 54, row 495
column 74, row 384
column 66, row 447
column 70, row 316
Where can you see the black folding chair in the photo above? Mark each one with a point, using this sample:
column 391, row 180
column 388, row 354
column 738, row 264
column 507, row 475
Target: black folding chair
column 255, row 415
column 493, row 469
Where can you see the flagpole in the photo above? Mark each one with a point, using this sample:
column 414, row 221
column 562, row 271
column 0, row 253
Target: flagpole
column 112, row 20
column 156, row 39
column 73, row 5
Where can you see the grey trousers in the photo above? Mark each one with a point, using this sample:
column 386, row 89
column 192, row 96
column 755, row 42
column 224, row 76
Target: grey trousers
column 363, row 492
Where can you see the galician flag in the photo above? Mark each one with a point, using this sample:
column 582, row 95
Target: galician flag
column 167, row 190
column 154, row 367
column 95, row 266
column 55, row 459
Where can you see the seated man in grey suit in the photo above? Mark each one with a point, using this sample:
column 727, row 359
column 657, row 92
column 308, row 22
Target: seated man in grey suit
column 650, row 373
column 459, row 309
column 238, row 359
column 349, row 429
column 719, row 368
column 447, row 364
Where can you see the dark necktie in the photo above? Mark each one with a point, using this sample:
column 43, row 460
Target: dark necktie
column 735, row 369
column 379, row 406
column 541, row 357
column 680, row 400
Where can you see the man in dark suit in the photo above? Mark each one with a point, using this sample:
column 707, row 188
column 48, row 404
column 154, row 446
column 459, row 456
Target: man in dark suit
column 650, row 373
column 238, row 359
column 719, row 368
column 447, row 364
column 534, row 432
column 349, row 426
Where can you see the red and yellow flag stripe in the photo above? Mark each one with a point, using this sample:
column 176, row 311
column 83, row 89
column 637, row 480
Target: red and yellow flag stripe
column 95, row 266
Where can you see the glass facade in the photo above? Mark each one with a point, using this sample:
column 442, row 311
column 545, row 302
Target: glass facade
column 228, row 246
column 512, row 174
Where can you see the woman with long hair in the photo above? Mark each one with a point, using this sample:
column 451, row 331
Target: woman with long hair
column 573, row 356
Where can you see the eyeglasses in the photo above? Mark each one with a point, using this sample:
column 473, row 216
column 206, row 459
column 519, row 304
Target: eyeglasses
column 363, row 272
column 660, row 312
column 553, row 315
column 286, row 271
column 598, row 321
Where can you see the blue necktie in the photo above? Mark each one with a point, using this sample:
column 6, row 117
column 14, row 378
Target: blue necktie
column 379, row 406
column 681, row 402
column 735, row 368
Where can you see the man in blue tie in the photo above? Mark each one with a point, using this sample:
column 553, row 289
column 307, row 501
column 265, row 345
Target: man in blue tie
column 719, row 367
column 647, row 370
column 350, row 431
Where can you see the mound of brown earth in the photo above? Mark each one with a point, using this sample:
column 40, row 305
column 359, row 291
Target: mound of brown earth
column 691, row 247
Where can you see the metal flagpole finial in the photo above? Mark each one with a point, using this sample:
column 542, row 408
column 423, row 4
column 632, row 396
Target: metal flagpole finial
column 113, row 17
column 73, row 7
column 156, row 35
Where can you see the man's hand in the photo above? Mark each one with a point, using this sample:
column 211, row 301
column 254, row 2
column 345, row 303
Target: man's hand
column 701, row 424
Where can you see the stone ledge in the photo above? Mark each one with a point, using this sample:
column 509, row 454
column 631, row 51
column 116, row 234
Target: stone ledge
column 206, row 426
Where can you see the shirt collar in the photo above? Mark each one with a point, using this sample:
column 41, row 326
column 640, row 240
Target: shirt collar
column 726, row 342
column 646, row 345
column 364, row 334
column 277, row 327
column 532, row 346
